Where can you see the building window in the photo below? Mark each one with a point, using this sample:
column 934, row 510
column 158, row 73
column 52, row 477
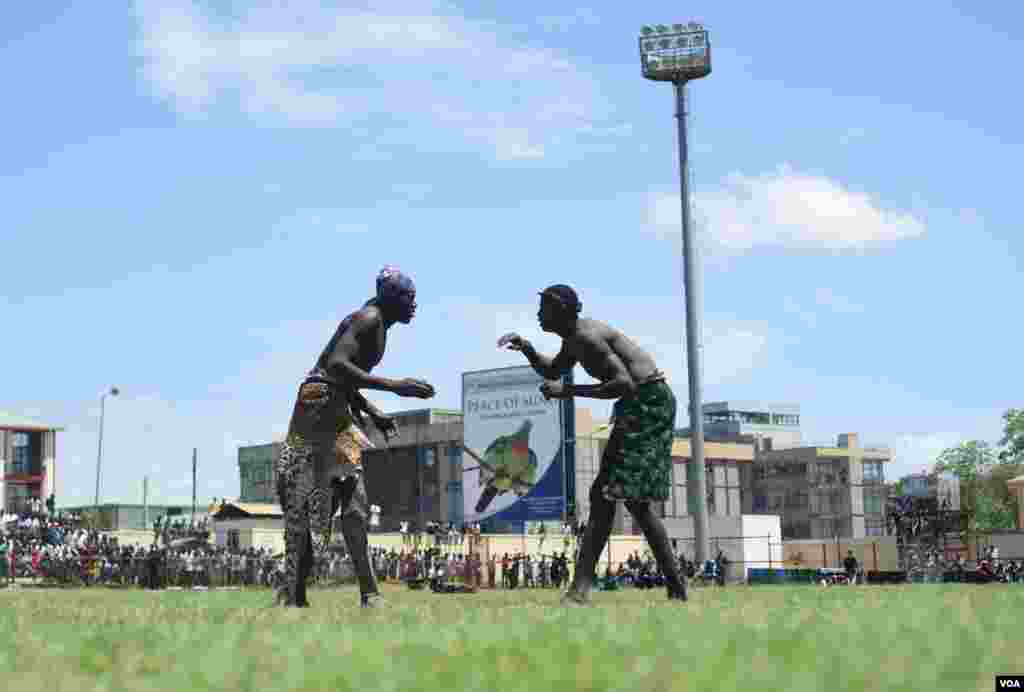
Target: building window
column 873, row 471
column 872, row 503
column 20, row 458
column 233, row 539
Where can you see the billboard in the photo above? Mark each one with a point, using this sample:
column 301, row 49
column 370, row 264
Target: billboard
column 513, row 445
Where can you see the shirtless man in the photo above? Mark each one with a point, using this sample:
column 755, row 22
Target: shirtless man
column 636, row 467
column 320, row 466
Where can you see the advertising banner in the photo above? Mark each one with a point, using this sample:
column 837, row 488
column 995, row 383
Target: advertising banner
column 513, row 443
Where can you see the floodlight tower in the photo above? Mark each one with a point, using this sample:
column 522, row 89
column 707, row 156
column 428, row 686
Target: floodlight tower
column 679, row 54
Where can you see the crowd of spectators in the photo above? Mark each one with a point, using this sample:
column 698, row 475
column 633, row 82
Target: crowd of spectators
column 60, row 549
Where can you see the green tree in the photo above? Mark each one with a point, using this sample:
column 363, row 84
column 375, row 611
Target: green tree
column 982, row 474
column 1013, row 437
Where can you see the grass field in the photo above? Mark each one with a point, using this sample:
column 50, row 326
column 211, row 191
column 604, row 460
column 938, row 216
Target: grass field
column 923, row 637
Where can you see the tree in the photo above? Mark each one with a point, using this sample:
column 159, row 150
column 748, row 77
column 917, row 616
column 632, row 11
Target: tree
column 966, row 461
column 983, row 475
column 1013, row 437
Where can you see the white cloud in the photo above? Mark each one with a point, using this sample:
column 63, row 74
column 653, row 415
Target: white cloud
column 784, row 209
column 308, row 64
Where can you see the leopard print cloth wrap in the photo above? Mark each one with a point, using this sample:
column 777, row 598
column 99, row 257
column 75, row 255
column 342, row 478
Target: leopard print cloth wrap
column 323, row 443
column 637, row 463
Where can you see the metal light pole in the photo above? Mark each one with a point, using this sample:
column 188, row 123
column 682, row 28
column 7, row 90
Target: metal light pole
column 114, row 391
column 195, row 455
column 678, row 55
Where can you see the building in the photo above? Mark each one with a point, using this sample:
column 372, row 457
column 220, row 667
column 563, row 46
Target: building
column 945, row 488
column 28, row 451
column 821, row 492
column 125, row 517
column 417, row 477
column 256, row 474
column 242, row 525
column 776, row 424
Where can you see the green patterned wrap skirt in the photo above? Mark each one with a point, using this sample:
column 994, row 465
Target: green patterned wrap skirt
column 637, row 463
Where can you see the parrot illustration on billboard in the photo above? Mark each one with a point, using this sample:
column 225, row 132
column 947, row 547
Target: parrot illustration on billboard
column 507, row 464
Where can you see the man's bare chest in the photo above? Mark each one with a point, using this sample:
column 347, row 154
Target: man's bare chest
column 371, row 349
column 590, row 358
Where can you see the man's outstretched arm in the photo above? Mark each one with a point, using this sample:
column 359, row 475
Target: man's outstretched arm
column 548, row 368
column 341, row 363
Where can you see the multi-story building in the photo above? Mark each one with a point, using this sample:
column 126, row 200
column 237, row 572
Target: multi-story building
column 821, row 492
column 28, row 454
column 257, row 479
column 417, row 477
column 945, row 488
column 777, row 425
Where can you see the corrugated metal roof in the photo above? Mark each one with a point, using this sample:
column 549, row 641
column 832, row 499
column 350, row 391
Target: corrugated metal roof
column 9, row 421
column 255, row 509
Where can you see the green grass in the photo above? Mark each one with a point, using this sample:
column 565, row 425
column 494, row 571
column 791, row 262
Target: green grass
column 925, row 637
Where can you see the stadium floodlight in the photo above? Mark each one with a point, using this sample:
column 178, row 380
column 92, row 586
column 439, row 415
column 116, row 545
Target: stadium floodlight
column 684, row 53
column 678, row 56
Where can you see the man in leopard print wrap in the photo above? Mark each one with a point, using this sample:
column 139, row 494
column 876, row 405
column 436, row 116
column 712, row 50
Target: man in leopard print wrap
column 320, row 465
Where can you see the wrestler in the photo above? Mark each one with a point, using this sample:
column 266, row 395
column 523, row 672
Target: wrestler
column 320, row 465
column 636, row 467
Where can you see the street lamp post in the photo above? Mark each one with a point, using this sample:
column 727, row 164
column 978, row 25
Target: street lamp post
column 114, row 391
column 677, row 55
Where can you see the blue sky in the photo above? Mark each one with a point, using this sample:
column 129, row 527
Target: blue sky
column 195, row 194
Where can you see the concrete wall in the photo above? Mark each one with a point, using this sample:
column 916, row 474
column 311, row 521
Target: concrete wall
column 762, row 553
column 134, row 537
column 873, row 554
column 1010, row 544
column 262, row 538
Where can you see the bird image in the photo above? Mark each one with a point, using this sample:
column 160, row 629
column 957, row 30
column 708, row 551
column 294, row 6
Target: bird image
column 507, row 464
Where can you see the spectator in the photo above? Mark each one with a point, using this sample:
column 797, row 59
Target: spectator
column 850, row 566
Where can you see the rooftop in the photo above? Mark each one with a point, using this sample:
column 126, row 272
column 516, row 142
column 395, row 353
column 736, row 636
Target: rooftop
column 9, row 421
column 748, row 406
column 229, row 509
